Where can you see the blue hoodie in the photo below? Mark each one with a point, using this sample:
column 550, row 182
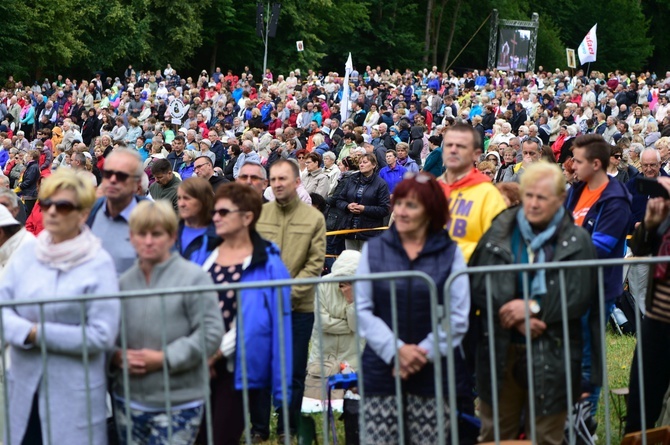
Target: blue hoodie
column 608, row 221
column 261, row 322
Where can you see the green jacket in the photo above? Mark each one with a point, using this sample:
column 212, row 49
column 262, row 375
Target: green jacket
column 572, row 243
column 300, row 232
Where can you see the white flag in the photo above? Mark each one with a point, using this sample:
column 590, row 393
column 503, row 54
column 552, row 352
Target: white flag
column 344, row 106
column 589, row 47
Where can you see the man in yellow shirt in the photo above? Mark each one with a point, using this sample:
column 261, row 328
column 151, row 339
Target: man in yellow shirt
column 473, row 200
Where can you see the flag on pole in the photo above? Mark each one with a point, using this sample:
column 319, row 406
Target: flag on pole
column 589, row 47
column 344, row 108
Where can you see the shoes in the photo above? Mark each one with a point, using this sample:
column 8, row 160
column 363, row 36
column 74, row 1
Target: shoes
column 257, row 438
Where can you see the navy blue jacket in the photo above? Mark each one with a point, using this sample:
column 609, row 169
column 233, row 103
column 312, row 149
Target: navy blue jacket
column 608, row 222
column 413, row 303
column 201, row 247
column 376, row 199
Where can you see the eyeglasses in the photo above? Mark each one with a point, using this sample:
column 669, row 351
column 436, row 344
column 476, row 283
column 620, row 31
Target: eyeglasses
column 247, row 177
column 120, row 176
column 616, row 156
column 300, row 157
column 645, row 166
column 62, row 207
column 199, row 166
column 488, row 173
column 224, row 212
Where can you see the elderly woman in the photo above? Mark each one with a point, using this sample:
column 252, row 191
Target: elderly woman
column 68, row 260
column 652, row 134
column 365, row 200
column 634, row 155
column 165, row 335
column 417, row 240
column 331, row 169
column 186, row 169
column 402, row 149
column 244, row 257
column 315, row 181
column 196, row 237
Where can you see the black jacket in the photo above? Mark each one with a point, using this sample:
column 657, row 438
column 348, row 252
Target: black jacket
column 31, row 177
column 228, row 170
column 375, row 198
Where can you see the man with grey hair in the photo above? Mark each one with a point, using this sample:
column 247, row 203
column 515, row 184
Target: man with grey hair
column 110, row 214
column 248, row 154
column 68, row 134
column 253, row 174
column 650, row 164
column 10, row 200
column 331, row 169
column 384, row 135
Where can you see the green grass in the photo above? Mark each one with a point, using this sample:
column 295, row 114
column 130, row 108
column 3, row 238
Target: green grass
column 619, row 358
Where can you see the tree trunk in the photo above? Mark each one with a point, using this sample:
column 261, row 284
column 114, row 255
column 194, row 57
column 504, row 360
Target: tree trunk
column 426, row 45
column 451, row 36
column 436, row 31
column 212, row 57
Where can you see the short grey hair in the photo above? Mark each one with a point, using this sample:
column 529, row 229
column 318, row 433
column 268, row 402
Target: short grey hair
column 5, row 192
column 128, row 152
column 637, row 147
column 330, row 155
column 650, row 149
column 264, row 173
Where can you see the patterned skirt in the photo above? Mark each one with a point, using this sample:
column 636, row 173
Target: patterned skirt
column 420, row 417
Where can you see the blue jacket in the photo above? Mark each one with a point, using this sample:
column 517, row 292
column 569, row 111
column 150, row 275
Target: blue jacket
column 434, row 163
column 201, row 247
column 608, row 222
column 392, row 177
column 261, row 323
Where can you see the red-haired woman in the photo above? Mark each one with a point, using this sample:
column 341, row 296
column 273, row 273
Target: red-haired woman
column 417, row 241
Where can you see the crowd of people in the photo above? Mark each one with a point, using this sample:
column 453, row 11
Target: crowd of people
column 105, row 189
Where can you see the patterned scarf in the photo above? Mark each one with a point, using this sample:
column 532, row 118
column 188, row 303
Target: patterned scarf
column 68, row 254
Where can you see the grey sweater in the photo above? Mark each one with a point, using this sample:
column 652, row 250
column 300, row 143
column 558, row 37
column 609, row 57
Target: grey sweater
column 185, row 317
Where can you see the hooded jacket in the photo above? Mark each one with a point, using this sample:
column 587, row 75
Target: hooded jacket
column 608, row 222
column 201, row 247
column 338, row 319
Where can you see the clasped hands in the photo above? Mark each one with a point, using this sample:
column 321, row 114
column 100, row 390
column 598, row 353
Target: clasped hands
column 355, row 208
column 412, row 360
column 513, row 316
column 140, row 361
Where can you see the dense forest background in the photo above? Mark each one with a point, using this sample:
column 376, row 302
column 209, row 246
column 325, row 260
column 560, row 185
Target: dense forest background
column 79, row 37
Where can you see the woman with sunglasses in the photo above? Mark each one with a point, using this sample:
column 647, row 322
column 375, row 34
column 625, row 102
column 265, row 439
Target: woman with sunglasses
column 67, row 260
column 164, row 335
column 196, row 236
column 243, row 257
column 614, row 169
column 417, row 240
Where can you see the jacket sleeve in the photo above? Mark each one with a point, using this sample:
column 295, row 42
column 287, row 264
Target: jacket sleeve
column 430, row 162
column 102, row 321
column 644, row 242
column 323, row 185
column 29, row 178
column 279, row 272
column 341, row 196
column 332, row 310
column 460, row 312
column 317, row 252
column 202, row 311
column 612, row 226
column 373, row 329
column 381, row 207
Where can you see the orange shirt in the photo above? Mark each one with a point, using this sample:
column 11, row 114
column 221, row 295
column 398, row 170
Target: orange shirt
column 586, row 200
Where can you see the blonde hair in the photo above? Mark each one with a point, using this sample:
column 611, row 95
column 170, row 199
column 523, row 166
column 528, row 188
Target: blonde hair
column 149, row 215
column 539, row 170
column 66, row 179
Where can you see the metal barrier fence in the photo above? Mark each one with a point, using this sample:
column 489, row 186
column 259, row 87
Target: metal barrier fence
column 439, row 319
column 561, row 267
column 84, row 300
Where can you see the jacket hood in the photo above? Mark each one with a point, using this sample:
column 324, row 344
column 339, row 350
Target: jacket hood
column 346, row 264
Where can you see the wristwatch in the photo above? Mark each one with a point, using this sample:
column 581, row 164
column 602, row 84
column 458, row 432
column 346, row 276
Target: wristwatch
column 534, row 307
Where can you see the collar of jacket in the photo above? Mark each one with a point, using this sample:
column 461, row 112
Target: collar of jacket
column 316, row 172
column 289, row 206
column 435, row 242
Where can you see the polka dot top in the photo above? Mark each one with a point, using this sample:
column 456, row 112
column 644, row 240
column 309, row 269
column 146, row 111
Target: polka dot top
column 227, row 303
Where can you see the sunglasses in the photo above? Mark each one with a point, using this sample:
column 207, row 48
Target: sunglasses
column 224, row 212
column 301, row 157
column 120, row 176
column 62, row 207
column 616, row 156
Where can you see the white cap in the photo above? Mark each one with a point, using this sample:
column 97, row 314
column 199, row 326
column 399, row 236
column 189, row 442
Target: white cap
column 6, row 218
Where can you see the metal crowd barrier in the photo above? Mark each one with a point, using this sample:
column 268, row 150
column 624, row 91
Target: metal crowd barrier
column 440, row 316
column 525, row 269
column 83, row 300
